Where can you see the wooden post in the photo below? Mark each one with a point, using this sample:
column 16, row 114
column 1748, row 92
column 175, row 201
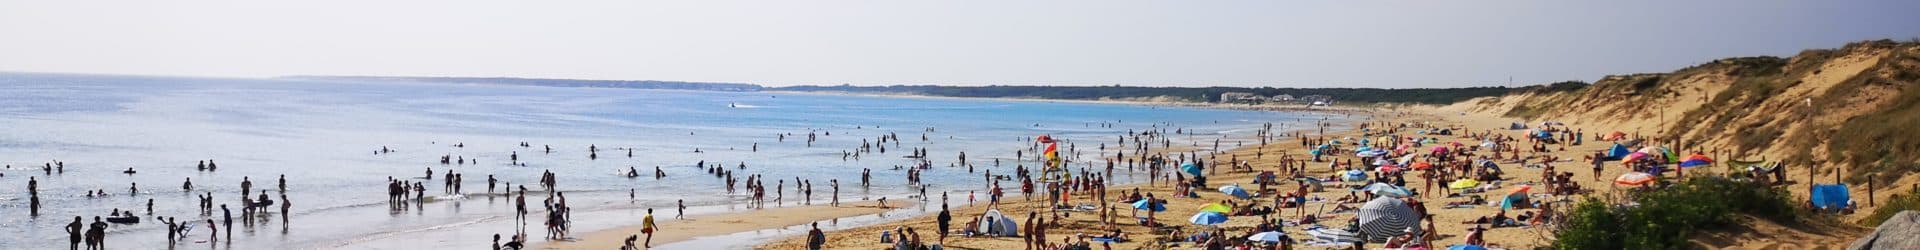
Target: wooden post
column 1870, row 189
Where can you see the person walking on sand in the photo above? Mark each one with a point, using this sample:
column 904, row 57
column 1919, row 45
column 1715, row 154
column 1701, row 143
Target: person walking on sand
column 836, row 192
column 73, row 235
column 646, row 227
column 815, row 238
column 944, row 219
column 682, row 213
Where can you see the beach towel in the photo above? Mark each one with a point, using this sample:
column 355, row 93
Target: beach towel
column 1334, row 235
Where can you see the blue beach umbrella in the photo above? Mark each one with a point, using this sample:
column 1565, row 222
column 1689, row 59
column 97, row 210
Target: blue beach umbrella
column 1190, row 169
column 1466, row 247
column 1208, row 218
column 1235, row 191
column 1143, row 204
column 1354, row 175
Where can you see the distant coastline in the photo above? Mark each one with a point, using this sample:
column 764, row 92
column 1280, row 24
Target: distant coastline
column 1213, row 97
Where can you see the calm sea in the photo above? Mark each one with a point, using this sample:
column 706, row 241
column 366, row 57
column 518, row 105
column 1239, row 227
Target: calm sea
column 322, row 136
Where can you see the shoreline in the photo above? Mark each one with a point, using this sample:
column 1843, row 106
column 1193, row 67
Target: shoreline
column 672, row 230
column 1014, row 203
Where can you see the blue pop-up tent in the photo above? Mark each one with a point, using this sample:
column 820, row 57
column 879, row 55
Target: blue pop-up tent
column 1618, row 151
column 1830, row 196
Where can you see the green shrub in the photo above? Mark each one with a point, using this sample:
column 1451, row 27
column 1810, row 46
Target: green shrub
column 1666, row 216
column 1903, row 202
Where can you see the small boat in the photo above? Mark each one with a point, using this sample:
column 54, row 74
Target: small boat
column 124, row 220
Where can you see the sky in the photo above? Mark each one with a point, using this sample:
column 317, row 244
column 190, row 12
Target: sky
column 1383, row 44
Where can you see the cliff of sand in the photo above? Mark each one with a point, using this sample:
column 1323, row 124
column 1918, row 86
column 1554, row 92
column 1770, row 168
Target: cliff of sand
column 1849, row 108
column 1844, row 115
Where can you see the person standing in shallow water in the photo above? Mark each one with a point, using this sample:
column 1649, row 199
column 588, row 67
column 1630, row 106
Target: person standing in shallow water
column 97, row 234
column 73, row 234
column 228, row 215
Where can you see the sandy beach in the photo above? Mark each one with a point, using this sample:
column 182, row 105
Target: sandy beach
column 1447, row 221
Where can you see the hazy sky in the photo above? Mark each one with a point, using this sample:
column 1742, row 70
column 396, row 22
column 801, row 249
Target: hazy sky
column 1395, row 44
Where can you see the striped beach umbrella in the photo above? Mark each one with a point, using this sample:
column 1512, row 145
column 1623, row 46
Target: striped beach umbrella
column 1696, row 160
column 1386, row 217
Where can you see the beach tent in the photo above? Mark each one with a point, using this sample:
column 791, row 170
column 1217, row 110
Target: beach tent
column 996, row 224
column 1235, row 191
column 1830, row 196
column 1208, row 218
column 1617, row 152
column 1190, row 169
column 1517, row 125
column 1516, row 195
column 1634, row 179
column 1386, row 217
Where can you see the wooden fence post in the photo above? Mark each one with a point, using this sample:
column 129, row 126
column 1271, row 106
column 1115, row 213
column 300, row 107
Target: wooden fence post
column 1870, row 199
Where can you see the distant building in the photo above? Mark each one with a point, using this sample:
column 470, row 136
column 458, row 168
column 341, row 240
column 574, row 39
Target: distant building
column 1281, row 98
column 1317, row 100
column 1241, row 97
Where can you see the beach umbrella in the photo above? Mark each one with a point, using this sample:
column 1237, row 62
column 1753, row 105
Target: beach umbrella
column 1696, row 160
column 1521, row 189
column 1388, row 169
column 1407, row 159
column 1144, row 205
column 1634, row 179
column 1190, row 169
column 1422, row 165
column 1463, row 184
column 1235, row 191
column 1312, row 182
column 1466, row 247
column 1387, row 190
column 1354, row 175
column 1635, row 156
column 1386, row 217
column 1216, row 207
column 1268, row 237
column 1208, row 218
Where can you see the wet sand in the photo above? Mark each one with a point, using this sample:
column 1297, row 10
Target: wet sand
column 671, row 230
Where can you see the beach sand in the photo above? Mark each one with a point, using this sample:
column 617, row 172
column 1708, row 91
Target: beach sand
column 1448, row 221
column 671, row 230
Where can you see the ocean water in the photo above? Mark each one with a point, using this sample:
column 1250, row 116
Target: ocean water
column 322, row 136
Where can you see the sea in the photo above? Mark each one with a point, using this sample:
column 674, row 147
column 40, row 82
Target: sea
column 325, row 138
